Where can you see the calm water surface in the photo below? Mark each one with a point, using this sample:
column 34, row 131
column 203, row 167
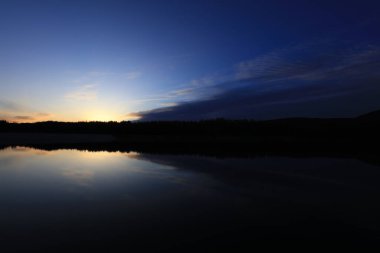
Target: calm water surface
column 68, row 199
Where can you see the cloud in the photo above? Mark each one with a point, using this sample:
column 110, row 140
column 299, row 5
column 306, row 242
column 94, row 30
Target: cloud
column 170, row 97
column 306, row 63
column 193, row 90
column 132, row 116
column 324, row 79
column 181, row 92
column 24, row 118
column 106, row 76
column 168, row 104
column 44, row 114
column 17, row 112
column 132, row 75
column 87, row 92
column 11, row 106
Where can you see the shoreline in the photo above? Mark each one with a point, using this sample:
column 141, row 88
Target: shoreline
column 52, row 138
column 211, row 146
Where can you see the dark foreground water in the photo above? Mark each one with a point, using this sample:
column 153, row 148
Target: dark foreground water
column 74, row 200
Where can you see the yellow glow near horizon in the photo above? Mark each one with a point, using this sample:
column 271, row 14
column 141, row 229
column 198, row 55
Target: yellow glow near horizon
column 100, row 115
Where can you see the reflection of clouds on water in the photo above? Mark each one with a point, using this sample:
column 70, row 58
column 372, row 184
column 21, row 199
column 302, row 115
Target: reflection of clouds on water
column 277, row 176
column 15, row 156
column 168, row 171
column 198, row 174
column 97, row 156
column 71, row 168
column 163, row 173
column 80, row 176
column 132, row 154
column 31, row 151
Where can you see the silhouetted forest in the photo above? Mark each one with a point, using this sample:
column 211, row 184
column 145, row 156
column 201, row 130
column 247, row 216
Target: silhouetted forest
column 304, row 137
column 366, row 126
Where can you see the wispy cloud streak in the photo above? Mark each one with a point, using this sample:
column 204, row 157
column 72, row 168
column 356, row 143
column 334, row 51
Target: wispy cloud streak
column 315, row 75
column 87, row 92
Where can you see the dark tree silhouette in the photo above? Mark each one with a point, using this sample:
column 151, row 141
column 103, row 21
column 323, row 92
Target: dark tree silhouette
column 295, row 128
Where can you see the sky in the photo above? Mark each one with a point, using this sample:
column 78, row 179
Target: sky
column 77, row 60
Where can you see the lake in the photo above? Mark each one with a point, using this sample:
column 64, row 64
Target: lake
column 75, row 200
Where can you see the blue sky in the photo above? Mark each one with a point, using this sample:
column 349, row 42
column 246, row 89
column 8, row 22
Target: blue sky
column 120, row 60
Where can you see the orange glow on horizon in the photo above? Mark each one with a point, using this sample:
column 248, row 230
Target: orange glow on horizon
column 96, row 115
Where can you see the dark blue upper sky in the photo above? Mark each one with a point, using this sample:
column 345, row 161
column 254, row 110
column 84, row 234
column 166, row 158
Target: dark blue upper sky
column 115, row 60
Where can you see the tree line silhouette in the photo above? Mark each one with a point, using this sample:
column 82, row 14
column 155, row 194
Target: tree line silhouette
column 363, row 126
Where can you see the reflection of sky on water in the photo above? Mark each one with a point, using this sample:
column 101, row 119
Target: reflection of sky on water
column 161, row 196
column 78, row 167
column 87, row 172
column 64, row 173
